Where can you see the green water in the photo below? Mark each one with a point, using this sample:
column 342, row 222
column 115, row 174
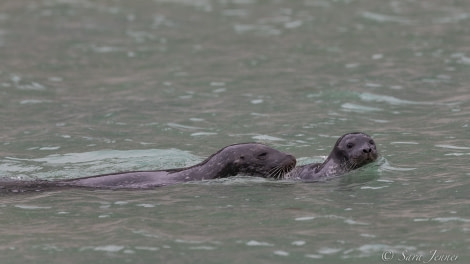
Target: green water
column 91, row 87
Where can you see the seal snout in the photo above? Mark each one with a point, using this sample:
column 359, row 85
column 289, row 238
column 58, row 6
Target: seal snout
column 370, row 152
column 291, row 158
column 290, row 162
column 367, row 149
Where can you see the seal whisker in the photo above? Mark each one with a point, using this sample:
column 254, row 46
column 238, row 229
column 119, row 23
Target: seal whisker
column 271, row 172
column 278, row 172
column 291, row 174
column 274, row 173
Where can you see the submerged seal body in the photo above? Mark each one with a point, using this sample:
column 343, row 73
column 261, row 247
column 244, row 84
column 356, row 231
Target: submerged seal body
column 351, row 151
column 247, row 158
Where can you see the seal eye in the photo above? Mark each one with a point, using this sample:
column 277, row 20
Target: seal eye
column 262, row 155
column 350, row 145
column 371, row 142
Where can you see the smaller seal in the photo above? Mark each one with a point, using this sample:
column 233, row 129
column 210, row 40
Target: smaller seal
column 351, row 151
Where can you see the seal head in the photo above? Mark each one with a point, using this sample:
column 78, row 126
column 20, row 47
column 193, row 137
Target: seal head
column 254, row 159
column 354, row 150
column 261, row 160
column 351, row 151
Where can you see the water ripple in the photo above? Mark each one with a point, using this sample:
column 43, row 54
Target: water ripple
column 369, row 97
column 385, row 18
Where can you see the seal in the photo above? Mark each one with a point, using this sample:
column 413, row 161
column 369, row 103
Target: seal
column 254, row 159
column 351, row 151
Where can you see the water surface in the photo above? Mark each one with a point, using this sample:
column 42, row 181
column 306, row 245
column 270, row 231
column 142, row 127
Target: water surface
column 92, row 87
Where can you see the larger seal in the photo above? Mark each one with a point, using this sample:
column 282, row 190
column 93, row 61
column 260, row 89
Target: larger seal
column 253, row 159
column 351, row 151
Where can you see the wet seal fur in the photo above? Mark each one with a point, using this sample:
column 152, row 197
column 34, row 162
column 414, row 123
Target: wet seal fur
column 253, row 159
column 351, row 151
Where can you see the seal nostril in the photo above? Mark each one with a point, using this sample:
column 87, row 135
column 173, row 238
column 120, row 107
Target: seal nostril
column 367, row 150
